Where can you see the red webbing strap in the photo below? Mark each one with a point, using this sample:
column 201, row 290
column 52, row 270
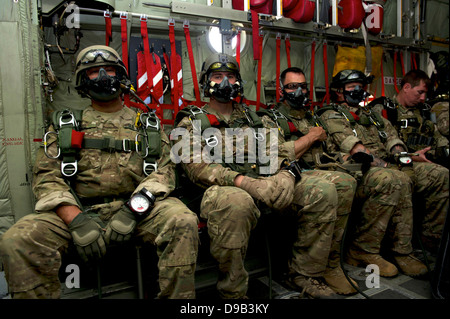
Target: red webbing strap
column 325, row 67
column 148, row 61
column 238, row 47
column 413, row 61
column 287, row 43
column 402, row 63
column 173, row 69
column 395, row 71
column 311, row 84
column 277, row 78
column 108, row 27
column 123, row 33
column 255, row 34
column 258, row 88
column 192, row 62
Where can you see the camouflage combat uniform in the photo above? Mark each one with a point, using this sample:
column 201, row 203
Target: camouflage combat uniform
column 232, row 213
column 387, row 192
column 32, row 248
column 417, row 129
column 344, row 183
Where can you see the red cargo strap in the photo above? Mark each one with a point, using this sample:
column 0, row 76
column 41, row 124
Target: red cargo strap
column 413, row 61
column 192, row 62
column 123, row 33
column 287, row 43
column 108, row 27
column 148, row 61
column 255, row 34
column 325, row 67
column 277, row 78
column 238, row 47
column 311, row 84
column 173, row 69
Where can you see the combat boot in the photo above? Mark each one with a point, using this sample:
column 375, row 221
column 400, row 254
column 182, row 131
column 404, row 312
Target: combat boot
column 336, row 280
column 410, row 265
column 362, row 258
column 311, row 287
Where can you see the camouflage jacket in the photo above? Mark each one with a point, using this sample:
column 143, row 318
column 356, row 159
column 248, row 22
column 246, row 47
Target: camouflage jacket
column 301, row 122
column 101, row 173
column 416, row 128
column 206, row 167
column 344, row 134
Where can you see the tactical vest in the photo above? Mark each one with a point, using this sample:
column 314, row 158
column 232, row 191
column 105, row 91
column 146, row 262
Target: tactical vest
column 208, row 120
column 321, row 158
column 416, row 130
column 365, row 118
column 70, row 139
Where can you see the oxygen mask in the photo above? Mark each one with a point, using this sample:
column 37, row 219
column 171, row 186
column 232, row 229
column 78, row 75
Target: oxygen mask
column 224, row 91
column 103, row 88
column 354, row 97
column 296, row 99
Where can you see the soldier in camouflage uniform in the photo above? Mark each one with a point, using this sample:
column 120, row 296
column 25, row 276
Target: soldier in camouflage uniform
column 236, row 193
column 305, row 136
column 91, row 212
column 389, row 182
column 414, row 121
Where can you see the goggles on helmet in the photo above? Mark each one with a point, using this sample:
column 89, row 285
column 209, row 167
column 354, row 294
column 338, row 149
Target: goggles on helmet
column 93, row 55
column 224, row 66
column 295, row 86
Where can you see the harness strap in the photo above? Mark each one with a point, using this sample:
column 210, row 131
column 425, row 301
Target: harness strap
column 192, row 62
column 173, row 69
column 287, row 44
column 108, row 27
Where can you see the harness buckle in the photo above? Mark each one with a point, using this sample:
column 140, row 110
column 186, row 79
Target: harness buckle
column 404, row 125
column 67, row 118
column 124, row 145
column 258, row 136
column 154, row 123
column 149, row 168
column 46, row 145
column 382, row 134
column 212, row 141
column 69, row 169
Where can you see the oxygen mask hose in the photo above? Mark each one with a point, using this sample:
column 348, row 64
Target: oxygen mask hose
column 128, row 88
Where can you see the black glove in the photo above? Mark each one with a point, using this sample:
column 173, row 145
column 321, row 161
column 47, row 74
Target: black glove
column 364, row 159
column 121, row 226
column 88, row 237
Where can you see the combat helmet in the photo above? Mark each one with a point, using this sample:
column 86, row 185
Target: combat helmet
column 104, row 87
column 349, row 76
column 224, row 91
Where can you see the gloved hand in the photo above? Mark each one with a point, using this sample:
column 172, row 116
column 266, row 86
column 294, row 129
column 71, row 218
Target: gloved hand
column 120, row 226
column 87, row 237
column 276, row 191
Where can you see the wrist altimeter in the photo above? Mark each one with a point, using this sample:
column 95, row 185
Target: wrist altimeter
column 141, row 202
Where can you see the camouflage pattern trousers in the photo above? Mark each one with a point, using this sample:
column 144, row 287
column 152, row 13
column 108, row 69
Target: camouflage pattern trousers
column 386, row 196
column 31, row 250
column 388, row 206
column 322, row 202
column 431, row 189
